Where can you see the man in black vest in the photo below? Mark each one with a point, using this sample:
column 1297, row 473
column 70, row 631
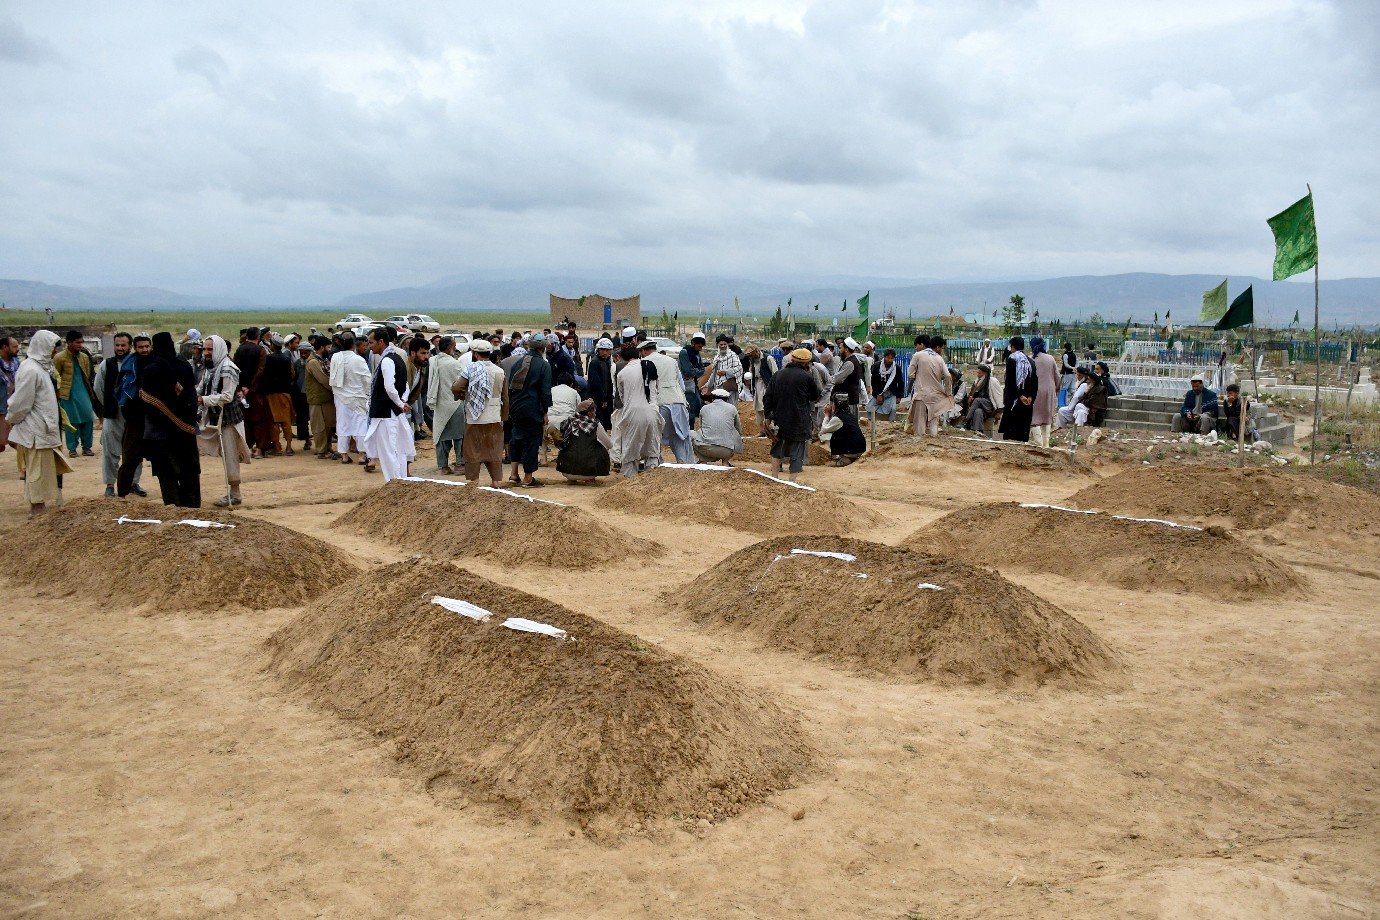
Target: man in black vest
column 389, row 438
column 115, row 386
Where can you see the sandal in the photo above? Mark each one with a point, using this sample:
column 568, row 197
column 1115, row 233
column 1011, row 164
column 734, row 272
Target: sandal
column 346, row 460
column 370, row 468
column 532, row 484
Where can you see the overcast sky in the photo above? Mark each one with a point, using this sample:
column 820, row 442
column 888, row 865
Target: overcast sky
column 299, row 152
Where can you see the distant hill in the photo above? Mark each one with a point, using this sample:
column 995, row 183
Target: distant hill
column 1140, row 295
column 37, row 295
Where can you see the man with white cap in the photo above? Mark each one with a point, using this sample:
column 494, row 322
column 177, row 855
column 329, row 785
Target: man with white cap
column 671, row 403
column 601, row 381
column 484, row 397
column 869, row 359
column 850, row 379
column 630, row 335
column 720, row 435
column 349, row 382
column 1199, row 412
column 692, row 371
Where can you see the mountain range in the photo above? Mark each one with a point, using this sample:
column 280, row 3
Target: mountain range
column 1140, row 294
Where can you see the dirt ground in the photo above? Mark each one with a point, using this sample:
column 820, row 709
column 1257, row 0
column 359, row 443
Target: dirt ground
column 151, row 765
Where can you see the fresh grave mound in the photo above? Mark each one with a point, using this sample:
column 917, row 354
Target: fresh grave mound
column 599, row 726
column 896, row 441
column 913, row 615
column 1247, row 499
column 82, row 549
column 1087, row 546
column 735, row 497
column 510, row 527
column 758, row 450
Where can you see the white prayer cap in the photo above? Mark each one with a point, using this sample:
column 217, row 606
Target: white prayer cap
column 869, row 342
column 463, row 347
column 852, row 343
column 1197, row 377
column 697, row 337
column 605, row 342
column 481, row 346
column 648, row 343
column 721, row 393
column 629, row 331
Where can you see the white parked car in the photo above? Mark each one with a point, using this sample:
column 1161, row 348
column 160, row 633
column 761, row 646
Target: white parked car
column 420, row 322
column 665, row 346
column 352, row 321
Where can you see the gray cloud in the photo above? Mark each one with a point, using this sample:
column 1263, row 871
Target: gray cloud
column 302, row 153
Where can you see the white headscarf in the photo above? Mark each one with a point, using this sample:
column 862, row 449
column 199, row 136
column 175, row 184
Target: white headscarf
column 41, row 348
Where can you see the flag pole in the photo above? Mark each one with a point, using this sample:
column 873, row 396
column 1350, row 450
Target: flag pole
column 1317, row 359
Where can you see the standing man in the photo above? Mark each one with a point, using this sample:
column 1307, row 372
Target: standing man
column 36, row 426
column 789, row 409
column 637, row 429
column 222, row 416
column 132, row 445
column 118, row 386
column 726, row 370
column 601, row 381
column 350, row 380
column 300, row 351
column 529, row 396
column 320, row 399
column 9, row 366
column 447, row 412
column 932, row 398
column 758, row 368
column 74, row 370
column 250, row 358
column 275, row 388
column 483, row 393
column 887, row 386
column 389, row 437
column 1019, row 389
column 692, row 371
column 671, row 403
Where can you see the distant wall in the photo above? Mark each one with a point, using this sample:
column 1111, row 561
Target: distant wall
column 590, row 315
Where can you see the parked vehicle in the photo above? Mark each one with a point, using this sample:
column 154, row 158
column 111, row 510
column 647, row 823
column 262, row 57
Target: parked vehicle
column 352, row 321
column 420, row 322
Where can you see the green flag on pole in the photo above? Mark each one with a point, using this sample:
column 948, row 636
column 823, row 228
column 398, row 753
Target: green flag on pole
column 1296, row 318
column 1296, row 238
column 1214, row 303
column 1240, row 313
column 860, row 330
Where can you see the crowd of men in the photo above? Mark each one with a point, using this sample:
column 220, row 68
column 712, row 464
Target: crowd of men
column 490, row 400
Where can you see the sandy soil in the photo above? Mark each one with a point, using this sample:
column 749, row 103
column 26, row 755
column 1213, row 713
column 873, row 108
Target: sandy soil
column 151, row 766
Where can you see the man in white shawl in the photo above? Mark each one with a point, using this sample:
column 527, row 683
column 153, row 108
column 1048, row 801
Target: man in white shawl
column 350, row 377
column 637, row 427
column 36, row 426
column 447, row 412
column 389, row 436
column 222, row 416
column 671, row 403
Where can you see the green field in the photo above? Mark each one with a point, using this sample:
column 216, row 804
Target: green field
column 228, row 323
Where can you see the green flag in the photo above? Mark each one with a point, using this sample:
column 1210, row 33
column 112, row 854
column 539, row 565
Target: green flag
column 1214, row 303
column 1296, row 238
column 860, row 330
column 1240, row 313
column 1296, row 318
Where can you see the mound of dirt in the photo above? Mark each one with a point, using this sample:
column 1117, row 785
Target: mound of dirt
column 894, row 441
column 1129, row 554
column 1246, row 499
column 966, row 624
column 81, row 549
column 602, row 729
column 476, row 521
column 758, row 450
column 739, row 498
column 747, row 420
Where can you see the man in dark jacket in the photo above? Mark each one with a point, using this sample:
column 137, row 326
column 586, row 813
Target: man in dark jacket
column 529, row 396
column 1198, row 414
column 250, row 357
column 601, row 382
column 116, row 388
column 692, row 370
column 788, row 407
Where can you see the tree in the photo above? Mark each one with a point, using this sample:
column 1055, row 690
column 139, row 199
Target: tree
column 1096, row 320
column 1013, row 313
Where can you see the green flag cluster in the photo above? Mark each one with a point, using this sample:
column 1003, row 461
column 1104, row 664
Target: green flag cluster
column 1296, row 238
column 860, row 330
column 1214, row 303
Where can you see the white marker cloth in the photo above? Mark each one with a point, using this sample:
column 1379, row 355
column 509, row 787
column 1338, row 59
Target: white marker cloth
column 1119, row 517
column 527, row 498
column 439, row 482
column 533, row 626
column 928, row 586
column 190, row 522
column 694, row 466
column 784, row 482
column 846, row 557
column 464, row 608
